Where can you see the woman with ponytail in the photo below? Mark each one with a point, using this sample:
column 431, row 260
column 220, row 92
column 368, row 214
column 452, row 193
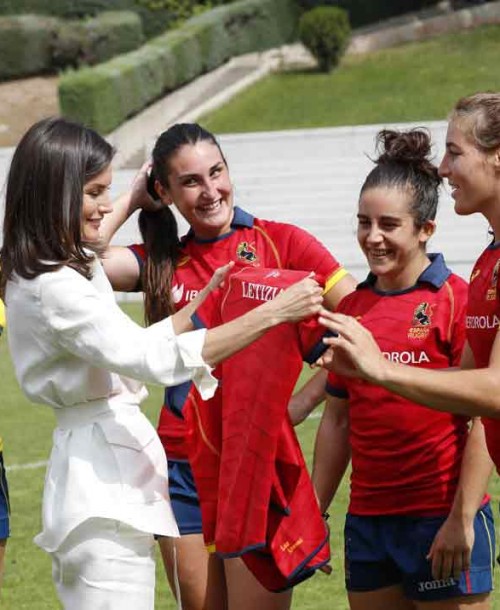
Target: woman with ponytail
column 191, row 173
column 419, row 530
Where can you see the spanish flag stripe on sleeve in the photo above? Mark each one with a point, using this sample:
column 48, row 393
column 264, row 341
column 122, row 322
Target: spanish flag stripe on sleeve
column 2, row 315
column 334, row 279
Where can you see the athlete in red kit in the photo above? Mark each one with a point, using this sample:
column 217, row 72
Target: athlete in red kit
column 192, row 174
column 419, row 530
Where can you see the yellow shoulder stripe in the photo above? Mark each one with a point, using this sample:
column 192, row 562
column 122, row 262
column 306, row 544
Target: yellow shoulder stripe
column 2, row 314
column 334, row 279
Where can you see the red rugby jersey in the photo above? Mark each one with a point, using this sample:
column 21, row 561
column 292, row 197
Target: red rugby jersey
column 255, row 493
column 482, row 323
column 406, row 458
column 251, row 242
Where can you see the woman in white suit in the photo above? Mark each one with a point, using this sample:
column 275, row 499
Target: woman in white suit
column 73, row 349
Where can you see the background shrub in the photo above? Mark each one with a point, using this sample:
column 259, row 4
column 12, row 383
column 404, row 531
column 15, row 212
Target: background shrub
column 156, row 15
column 364, row 12
column 325, row 31
column 25, row 45
column 34, row 44
column 95, row 39
column 174, row 58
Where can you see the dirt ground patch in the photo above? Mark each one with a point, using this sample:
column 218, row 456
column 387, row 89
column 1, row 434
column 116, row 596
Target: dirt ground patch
column 23, row 102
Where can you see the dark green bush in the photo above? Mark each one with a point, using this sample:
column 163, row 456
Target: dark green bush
column 25, row 45
column 95, row 39
column 325, row 31
column 128, row 83
column 156, row 15
column 34, row 44
column 364, row 12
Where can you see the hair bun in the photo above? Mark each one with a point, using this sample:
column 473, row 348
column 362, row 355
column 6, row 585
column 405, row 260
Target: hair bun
column 406, row 147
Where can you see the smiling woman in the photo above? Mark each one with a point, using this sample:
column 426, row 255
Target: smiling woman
column 192, row 174
column 433, row 544
column 73, row 349
column 96, row 203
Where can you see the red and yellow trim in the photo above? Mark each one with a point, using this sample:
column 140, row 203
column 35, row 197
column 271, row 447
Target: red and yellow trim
column 334, row 279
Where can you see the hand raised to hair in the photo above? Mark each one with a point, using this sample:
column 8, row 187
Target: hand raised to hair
column 139, row 196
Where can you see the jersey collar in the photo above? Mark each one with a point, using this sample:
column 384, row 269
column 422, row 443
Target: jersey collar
column 240, row 219
column 435, row 274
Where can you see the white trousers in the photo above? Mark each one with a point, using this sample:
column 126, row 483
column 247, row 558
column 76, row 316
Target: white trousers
column 105, row 565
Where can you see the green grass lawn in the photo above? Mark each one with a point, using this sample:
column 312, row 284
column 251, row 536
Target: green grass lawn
column 26, row 430
column 419, row 81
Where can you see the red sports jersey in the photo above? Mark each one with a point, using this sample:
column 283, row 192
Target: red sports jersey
column 251, row 242
column 483, row 322
column 406, row 458
column 255, row 493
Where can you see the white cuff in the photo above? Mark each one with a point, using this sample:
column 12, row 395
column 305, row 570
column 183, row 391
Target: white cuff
column 190, row 348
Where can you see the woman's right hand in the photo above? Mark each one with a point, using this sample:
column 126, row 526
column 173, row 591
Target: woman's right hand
column 298, row 301
column 139, row 196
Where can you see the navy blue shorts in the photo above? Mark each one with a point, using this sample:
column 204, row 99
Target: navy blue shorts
column 184, row 497
column 4, row 503
column 391, row 550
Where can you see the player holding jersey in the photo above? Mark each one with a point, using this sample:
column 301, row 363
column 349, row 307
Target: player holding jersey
column 419, row 531
column 4, row 491
column 192, row 174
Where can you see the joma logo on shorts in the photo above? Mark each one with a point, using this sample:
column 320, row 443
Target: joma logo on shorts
column 431, row 585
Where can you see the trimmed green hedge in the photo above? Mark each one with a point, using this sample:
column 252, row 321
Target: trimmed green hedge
column 25, row 45
column 34, row 44
column 96, row 39
column 156, row 15
column 104, row 96
column 364, row 12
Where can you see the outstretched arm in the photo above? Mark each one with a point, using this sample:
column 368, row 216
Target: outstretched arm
column 355, row 353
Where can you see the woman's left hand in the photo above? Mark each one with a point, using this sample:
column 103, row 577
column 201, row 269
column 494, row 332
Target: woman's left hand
column 218, row 277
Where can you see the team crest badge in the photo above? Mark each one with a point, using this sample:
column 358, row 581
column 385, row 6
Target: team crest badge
column 421, row 322
column 491, row 295
column 246, row 252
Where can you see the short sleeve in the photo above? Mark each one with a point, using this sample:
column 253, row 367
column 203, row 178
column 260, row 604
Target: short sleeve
column 308, row 253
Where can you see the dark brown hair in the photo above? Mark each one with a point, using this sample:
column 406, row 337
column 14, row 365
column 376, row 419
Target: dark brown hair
column 159, row 229
column 404, row 163
column 43, row 205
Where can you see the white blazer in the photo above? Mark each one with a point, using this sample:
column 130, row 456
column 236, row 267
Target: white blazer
column 74, row 349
